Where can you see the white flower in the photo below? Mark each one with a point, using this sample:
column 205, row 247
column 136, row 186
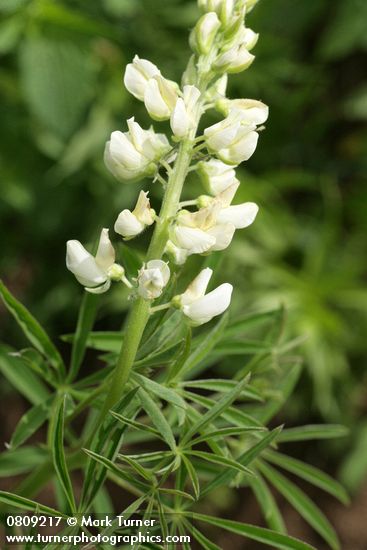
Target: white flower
column 203, row 35
column 137, row 75
column 234, row 60
column 129, row 224
column 231, row 139
column 216, row 175
column 183, row 118
column 94, row 272
column 135, row 153
column 200, row 307
column 160, row 97
column 152, row 279
column 210, row 228
column 253, row 111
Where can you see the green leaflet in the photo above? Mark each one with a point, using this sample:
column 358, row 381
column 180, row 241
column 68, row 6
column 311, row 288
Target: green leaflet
column 18, row 373
column 30, row 422
column 305, row 433
column 32, row 329
column 271, row 538
column 215, row 411
column 267, row 503
column 309, row 473
column 157, row 417
column 221, row 460
column 163, row 392
column 223, row 385
column 115, row 470
column 29, row 505
column 302, row 503
column 107, row 442
column 58, row 453
column 87, row 314
column 205, row 346
column 245, row 459
column 20, row 461
column 192, row 475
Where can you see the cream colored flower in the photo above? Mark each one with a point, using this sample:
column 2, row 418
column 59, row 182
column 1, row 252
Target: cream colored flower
column 152, row 279
column 135, row 153
column 129, row 224
column 199, row 307
column 94, row 272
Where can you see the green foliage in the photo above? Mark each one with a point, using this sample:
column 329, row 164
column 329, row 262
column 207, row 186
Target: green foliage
column 205, row 442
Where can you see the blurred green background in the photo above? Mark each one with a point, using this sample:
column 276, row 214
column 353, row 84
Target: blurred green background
column 61, row 95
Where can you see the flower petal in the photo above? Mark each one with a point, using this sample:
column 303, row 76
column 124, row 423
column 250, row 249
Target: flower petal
column 197, row 287
column 213, row 304
column 240, row 215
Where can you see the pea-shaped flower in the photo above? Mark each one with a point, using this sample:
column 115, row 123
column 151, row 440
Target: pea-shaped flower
column 232, row 140
column 183, row 118
column 251, row 110
column 129, row 224
column 137, row 75
column 135, row 153
column 203, row 35
column 199, row 307
column 152, row 279
column 223, row 8
column 95, row 273
column 160, row 97
column 216, row 175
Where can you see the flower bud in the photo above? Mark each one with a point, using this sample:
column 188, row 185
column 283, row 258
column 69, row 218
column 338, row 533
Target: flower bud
column 200, row 308
column 135, row 153
column 235, row 60
column 137, row 75
column 216, row 175
column 204, row 33
column 152, row 279
column 190, row 74
column 253, row 111
column 223, row 8
column 183, row 118
column 129, row 224
column 160, row 97
column 92, row 272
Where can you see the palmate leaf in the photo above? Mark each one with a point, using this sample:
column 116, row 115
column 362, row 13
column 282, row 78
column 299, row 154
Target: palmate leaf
column 32, row 329
column 302, row 503
column 58, row 453
column 266, row 536
column 309, row 473
column 143, row 472
column 215, row 411
column 245, row 459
